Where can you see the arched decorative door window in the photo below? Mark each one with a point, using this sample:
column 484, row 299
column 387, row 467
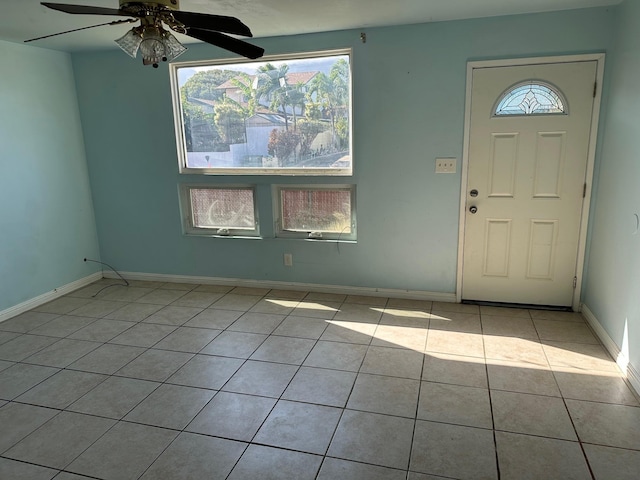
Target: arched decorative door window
column 532, row 97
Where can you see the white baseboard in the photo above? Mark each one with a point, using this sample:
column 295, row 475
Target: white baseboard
column 633, row 376
column 305, row 287
column 48, row 296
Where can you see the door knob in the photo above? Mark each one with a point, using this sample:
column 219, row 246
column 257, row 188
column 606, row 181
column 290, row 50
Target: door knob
column 473, row 209
column 473, row 193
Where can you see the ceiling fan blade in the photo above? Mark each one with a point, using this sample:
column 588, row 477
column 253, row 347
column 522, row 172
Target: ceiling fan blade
column 82, row 28
column 218, row 23
column 228, row 43
column 83, row 9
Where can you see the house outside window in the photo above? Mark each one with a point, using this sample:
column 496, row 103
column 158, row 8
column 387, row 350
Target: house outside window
column 281, row 115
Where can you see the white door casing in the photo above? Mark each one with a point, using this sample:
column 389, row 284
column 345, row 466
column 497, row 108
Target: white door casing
column 525, row 242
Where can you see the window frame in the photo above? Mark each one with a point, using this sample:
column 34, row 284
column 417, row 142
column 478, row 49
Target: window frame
column 180, row 128
column 186, row 212
column 280, row 232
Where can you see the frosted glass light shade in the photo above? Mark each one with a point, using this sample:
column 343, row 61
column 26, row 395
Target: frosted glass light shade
column 152, row 46
column 153, row 42
column 130, row 43
column 173, row 47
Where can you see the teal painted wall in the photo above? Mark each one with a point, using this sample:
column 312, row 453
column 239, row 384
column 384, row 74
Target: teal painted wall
column 46, row 212
column 409, row 88
column 612, row 280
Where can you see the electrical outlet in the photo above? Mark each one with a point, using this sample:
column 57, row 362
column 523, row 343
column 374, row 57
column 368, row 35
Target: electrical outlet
column 445, row 165
column 288, row 260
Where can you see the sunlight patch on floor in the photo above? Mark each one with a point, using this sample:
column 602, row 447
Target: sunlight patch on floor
column 282, row 303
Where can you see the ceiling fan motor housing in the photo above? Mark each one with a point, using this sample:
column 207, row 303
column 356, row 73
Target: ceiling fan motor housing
column 172, row 4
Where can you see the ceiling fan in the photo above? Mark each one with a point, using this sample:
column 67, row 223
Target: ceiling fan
column 153, row 40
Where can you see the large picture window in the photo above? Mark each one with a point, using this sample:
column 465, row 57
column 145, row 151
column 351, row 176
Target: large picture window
column 282, row 115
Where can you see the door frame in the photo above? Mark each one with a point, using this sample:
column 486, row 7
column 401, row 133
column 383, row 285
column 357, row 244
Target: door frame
column 593, row 135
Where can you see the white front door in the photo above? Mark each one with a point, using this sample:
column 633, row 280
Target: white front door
column 527, row 160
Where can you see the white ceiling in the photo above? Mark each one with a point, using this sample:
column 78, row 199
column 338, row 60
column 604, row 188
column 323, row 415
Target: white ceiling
column 24, row 19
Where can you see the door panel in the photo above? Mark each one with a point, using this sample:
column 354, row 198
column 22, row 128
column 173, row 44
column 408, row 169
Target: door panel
column 548, row 164
column 521, row 240
column 497, row 246
column 502, row 166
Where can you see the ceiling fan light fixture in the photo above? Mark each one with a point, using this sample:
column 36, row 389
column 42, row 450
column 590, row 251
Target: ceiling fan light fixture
column 156, row 44
column 130, row 42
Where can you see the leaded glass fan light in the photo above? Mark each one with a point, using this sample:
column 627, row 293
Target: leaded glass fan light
column 532, row 97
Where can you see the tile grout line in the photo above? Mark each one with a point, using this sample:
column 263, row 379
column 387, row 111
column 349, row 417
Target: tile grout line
column 493, row 421
column 415, row 419
column 343, row 409
column 327, row 321
column 575, row 430
column 251, row 441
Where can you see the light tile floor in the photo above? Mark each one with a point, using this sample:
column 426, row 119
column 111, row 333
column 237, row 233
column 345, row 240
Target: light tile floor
column 176, row 381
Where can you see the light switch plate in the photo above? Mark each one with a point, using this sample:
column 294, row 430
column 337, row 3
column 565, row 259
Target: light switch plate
column 445, row 165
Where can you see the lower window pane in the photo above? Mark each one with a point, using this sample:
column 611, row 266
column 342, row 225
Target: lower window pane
column 223, row 208
column 316, row 210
